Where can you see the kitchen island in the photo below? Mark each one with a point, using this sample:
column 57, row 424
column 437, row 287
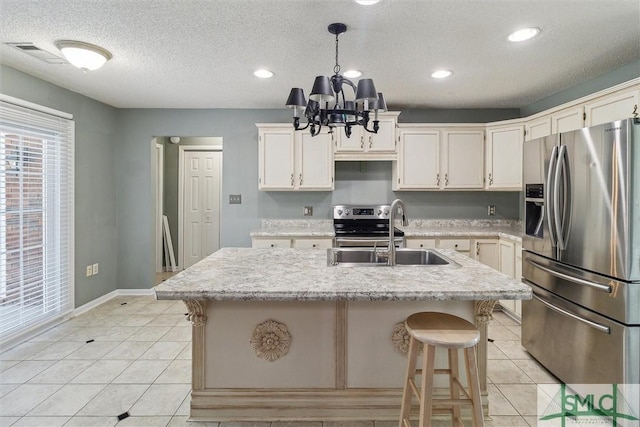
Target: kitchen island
column 279, row 335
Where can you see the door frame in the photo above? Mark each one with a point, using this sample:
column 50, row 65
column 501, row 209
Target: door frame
column 181, row 152
column 158, row 173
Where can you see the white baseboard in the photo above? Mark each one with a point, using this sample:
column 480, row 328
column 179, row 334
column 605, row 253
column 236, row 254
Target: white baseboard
column 106, row 297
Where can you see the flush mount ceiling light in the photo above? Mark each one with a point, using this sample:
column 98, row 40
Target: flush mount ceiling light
column 328, row 105
column 441, row 74
column 524, row 34
column 83, row 55
column 367, row 2
column 263, row 74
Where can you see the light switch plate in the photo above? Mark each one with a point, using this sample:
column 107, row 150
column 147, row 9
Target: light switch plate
column 492, row 210
column 308, row 211
column 235, row 199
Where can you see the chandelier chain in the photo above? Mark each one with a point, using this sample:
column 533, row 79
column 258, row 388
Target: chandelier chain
column 336, row 69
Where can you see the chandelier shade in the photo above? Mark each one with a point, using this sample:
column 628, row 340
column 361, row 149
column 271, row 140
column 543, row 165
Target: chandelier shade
column 328, row 105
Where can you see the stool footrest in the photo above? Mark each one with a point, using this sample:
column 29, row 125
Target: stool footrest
column 451, row 402
column 414, row 389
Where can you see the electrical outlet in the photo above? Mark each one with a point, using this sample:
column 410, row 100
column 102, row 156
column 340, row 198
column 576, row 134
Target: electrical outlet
column 308, row 211
column 492, row 210
column 235, row 199
column 89, row 270
column 95, row 268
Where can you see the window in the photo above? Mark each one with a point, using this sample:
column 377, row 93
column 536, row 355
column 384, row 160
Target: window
column 36, row 216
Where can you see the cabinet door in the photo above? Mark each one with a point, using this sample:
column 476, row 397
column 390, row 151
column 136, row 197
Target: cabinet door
column 504, row 158
column 487, row 252
column 609, row 108
column 276, row 159
column 418, row 159
column 463, row 159
column 354, row 144
column 314, row 159
column 385, row 139
column 507, row 258
column 568, row 119
column 462, row 246
column 518, row 266
column 538, row 128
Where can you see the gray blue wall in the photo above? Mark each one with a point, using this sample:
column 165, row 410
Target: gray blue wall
column 114, row 186
column 95, row 192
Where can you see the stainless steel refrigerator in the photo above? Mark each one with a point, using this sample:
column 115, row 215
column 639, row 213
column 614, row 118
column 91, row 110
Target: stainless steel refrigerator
column 582, row 253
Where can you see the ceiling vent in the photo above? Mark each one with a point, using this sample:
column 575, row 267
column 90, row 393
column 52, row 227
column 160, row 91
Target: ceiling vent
column 37, row 52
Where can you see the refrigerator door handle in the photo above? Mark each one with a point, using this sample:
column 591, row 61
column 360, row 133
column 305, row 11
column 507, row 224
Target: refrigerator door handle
column 598, row 286
column 562, row 211
column 598, row 326
column 549, row 196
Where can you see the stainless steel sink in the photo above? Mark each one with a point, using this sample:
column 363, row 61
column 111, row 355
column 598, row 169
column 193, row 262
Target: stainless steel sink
column 371, row 257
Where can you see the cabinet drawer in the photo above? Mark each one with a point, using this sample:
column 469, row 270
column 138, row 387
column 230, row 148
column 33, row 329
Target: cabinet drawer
column 420, row 243
column 462, row 245
column 313, row 243
column 271, row 243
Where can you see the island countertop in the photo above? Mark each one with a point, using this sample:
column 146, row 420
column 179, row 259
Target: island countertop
column 274, row 274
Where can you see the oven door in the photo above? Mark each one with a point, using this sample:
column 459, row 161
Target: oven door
column 366, row 242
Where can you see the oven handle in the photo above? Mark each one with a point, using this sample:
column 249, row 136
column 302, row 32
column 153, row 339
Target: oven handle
column 598, row 326
column 598, row 286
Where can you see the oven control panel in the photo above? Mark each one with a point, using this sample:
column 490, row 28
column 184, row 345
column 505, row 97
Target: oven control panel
column 361, row 212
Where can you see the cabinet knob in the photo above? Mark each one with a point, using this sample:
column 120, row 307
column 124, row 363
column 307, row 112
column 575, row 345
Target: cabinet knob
column 301, row 179
column 313, row 246
column 438, row 179
column 421, row 245
column 446, row 179
column 490, row 178
column 273, row 245
column 292, row 180
column 362, row 142
column 370, row 141
column 456, row 245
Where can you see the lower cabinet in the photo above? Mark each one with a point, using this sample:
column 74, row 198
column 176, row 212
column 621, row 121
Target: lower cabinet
column 487, row 252
column 258, row 242
column 417, row 243
column 303, row 243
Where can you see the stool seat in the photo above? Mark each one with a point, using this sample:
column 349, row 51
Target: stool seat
column 442, row 330
column 453, row 334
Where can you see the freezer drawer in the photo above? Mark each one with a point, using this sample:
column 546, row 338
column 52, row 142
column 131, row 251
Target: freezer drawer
column 612, row 298
column 579, row 346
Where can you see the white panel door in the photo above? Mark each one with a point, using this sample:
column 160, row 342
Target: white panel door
column 568, row 119
column 354, row 143
column 463, row 159
column 538, row 128
column 202, row 178
column 504, row 158
column 612, row 107
column 385, row 139
column 419, row 159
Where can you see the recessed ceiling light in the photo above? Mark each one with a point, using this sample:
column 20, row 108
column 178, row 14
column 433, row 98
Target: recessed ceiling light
column 524, row 34
column 352, row 74
column 441, row 74
column 263, row 74
column 367, row 2
column 83, row 55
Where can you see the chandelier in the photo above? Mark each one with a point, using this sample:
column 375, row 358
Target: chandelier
column 328, row 105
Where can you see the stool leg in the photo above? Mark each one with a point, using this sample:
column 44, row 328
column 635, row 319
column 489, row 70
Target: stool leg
column 426, row 389
column 412, row 356
column 474, row 386
column 454, row 390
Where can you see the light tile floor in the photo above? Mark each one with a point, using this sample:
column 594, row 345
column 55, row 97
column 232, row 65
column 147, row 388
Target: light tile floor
column 139, row 362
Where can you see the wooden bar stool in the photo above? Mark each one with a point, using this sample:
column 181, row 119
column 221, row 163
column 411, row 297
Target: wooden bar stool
column 453, row 333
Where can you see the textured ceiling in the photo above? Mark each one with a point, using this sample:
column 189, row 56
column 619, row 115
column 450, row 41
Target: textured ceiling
column 202, row 53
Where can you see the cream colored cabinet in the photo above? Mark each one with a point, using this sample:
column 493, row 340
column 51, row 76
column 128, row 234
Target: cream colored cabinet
column 507, row 266
column 518, row 268
column 616, row 106
column 290, row 160
column 434, row 158
column 418, row 165
column 461, row 245
column 363, row 145
column 568, row 119
column 538, row 128
column 504, row 157
column 487, row 252
column 313, row 243
column 268, row 242
column 419, row 243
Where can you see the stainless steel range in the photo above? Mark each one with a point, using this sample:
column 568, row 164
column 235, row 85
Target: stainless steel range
column 364, row 226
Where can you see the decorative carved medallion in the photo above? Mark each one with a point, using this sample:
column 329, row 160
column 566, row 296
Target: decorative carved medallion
column 271, row 340
column 196, row 312
column 401, row 337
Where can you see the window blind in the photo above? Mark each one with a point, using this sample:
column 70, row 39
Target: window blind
column 36, row 216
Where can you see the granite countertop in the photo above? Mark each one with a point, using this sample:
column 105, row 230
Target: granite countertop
column 303, row 275
column 508, row 229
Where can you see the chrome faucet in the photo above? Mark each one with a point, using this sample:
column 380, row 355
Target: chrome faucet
column 397, row 203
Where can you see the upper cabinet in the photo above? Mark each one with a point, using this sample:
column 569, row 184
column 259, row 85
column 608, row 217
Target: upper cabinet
column 363, row 145
column 504, row 156
column 567, row 119
column 439, row 158
column 538, row 127
column 290, row 160
column 616, row 106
